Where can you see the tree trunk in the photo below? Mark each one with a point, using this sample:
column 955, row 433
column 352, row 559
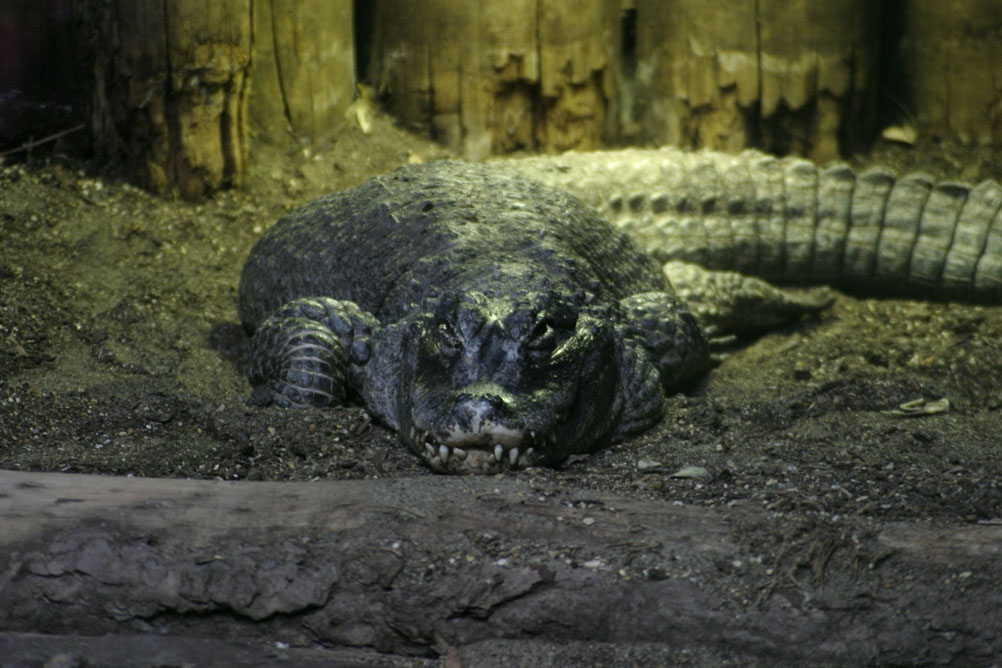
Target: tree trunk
column 170, row 90
column 416, row 566
column 493, row 77
column 304, row 68
column 783, row 76
column 953, row 53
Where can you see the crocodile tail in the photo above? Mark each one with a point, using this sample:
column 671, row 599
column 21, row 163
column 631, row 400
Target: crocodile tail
column 789, row 221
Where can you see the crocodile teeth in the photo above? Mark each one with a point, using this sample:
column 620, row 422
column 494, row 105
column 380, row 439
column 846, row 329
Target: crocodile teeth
column 413, row 435
column 513, row 456
column 498, row 452
column 443, row 452
column 459, row 452
column 429, row 450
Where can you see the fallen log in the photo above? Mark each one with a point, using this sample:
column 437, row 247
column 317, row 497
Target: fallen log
column 145, row 650
column 418, row 566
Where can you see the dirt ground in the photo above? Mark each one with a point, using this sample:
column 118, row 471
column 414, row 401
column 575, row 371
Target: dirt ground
column 121, row 353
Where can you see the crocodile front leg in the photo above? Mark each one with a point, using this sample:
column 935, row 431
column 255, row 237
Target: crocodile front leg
column 311, row 352
column 662, row 347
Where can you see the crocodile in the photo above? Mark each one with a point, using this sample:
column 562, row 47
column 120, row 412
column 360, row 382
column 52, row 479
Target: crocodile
column 514, row 313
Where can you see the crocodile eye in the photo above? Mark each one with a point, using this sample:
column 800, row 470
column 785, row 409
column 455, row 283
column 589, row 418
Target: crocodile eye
column 448, row 337
column 543, row 337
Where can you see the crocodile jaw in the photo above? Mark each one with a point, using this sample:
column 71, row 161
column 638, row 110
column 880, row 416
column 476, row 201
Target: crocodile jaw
column 491, row 449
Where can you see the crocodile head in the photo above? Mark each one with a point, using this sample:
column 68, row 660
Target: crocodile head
column 479, row 382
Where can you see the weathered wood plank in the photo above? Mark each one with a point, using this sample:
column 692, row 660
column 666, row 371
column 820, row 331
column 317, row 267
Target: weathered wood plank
column 495, row 77
column 170, row 90
column 304, row 68
column 783, row 76
column 418, row 565
column 953, row 53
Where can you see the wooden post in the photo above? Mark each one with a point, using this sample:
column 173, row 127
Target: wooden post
column 493, row 77
column 170, row 90
column 953, row 54
column 784, row 76
column 304, row 68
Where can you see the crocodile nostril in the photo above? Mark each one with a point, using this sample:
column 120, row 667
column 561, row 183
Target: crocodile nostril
column 481, row 406
column 494, row 400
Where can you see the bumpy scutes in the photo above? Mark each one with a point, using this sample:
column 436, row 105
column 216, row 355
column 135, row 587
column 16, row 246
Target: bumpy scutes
column 492, row 321
column 787, row 220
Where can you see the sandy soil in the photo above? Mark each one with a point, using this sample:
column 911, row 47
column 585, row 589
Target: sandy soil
column 121, row 353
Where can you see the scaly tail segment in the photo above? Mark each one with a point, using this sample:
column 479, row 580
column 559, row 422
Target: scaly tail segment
column 786, row 220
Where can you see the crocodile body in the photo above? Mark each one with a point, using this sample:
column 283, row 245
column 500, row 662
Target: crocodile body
column 490, row 320
column 496, row 321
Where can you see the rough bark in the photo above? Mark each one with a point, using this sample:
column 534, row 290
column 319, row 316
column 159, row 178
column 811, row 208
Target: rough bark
column 783, row 76
column 304, row 68
column 145, row 650
column 170, row 89
column 495, row 77
column 415, row 566
column 953, row 54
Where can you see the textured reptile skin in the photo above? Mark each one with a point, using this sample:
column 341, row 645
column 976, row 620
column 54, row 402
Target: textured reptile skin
column 490, row 320
column 787, row 220
column 495, row 320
